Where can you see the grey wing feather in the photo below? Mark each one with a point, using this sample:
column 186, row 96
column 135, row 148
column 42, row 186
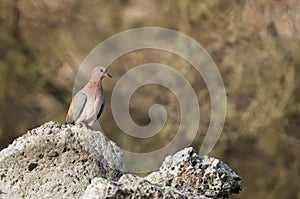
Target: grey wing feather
column 78, row 104
column 101, row 108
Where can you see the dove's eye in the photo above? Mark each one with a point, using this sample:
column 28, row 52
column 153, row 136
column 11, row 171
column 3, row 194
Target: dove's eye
column 101, row 70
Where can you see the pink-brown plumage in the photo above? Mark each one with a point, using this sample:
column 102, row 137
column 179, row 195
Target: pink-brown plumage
column 88, row 103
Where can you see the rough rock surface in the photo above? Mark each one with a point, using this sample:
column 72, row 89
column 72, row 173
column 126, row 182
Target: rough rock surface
column 67, row 161
column 57, row 161
column 188, row 172
column 131, row 186
column 184, row 175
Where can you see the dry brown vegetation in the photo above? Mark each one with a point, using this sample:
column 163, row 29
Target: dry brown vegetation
column 255, row 44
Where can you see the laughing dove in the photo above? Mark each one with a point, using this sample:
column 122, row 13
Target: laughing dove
column 87, row 105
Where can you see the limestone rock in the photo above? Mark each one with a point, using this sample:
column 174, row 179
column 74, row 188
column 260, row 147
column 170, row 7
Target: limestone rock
column 57, row 161
column 190, row 173
column 67, row 161
column 183, row 175
column 131, row 186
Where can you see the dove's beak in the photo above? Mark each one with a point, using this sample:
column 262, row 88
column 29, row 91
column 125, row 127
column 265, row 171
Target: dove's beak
column 108, row 75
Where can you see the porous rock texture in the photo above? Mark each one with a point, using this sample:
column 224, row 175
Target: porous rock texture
column 190, row 173
column 128, row 186
column 57, row 161
column 67, row 161
column 183, row 175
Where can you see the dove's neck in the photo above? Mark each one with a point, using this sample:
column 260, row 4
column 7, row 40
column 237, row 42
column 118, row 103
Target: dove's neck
column 96, row 84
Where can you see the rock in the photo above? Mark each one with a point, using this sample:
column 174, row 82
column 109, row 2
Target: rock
column 190, row 173
column 57, row 161
column 67, row 161
column 131, row 186
column 183, row 175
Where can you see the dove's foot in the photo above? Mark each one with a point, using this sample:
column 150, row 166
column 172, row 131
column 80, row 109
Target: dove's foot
column 85, row 125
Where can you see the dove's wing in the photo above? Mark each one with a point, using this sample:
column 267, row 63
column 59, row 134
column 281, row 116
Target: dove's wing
column 101, row 108
column 76, row 107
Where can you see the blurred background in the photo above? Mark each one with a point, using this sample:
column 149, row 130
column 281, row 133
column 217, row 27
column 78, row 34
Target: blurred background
column 255, row 44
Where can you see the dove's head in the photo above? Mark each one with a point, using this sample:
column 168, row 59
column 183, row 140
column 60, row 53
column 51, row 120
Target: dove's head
column 99, row 73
